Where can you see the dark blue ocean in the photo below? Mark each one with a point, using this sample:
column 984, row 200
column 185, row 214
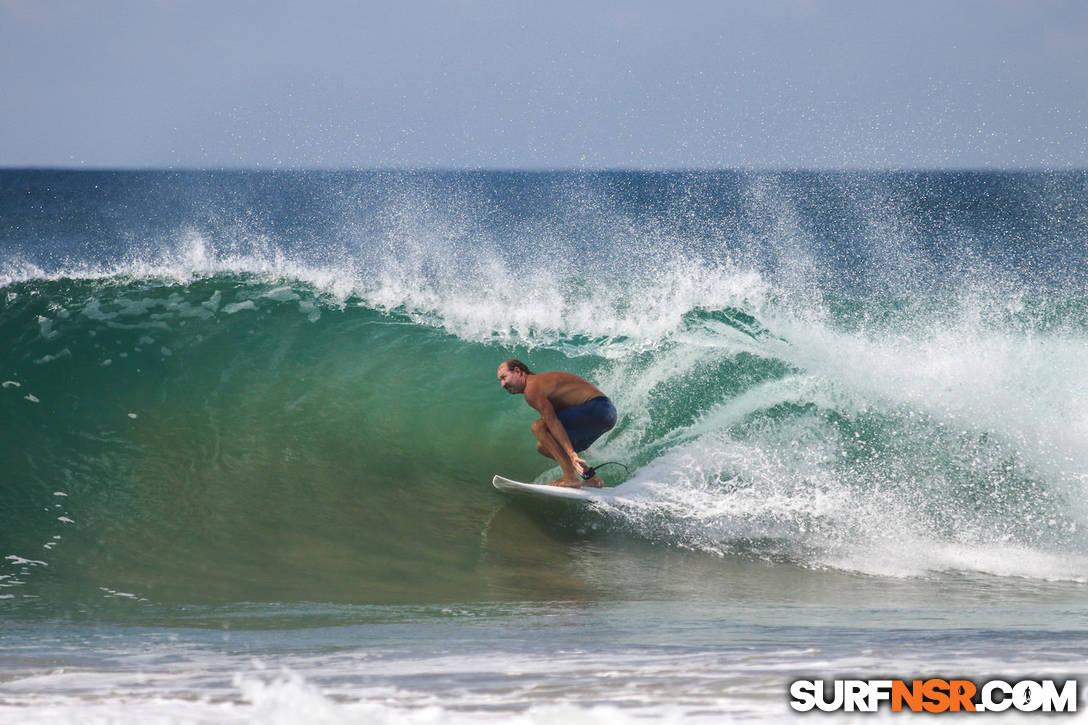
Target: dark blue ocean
column 249, row 421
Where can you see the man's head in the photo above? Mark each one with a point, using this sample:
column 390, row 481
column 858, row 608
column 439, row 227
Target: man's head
column 513, row 375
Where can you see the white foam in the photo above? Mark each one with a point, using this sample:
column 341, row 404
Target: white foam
column 474, row 294
column 174, row 683
column 533, row 694
column 281, row 294
column 733, row 481
column 239, row 307
column 45, row 359
column 1029, row 392
column 45, row 328
column 213, row 302
column 19, row 560
column 291, row 707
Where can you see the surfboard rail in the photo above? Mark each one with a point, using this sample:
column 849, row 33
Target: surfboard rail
column 545, row 491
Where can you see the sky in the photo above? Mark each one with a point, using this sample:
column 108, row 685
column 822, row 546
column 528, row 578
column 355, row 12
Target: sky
column 507, row 84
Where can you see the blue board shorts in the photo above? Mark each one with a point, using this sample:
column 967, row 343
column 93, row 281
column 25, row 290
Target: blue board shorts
column 587, row 422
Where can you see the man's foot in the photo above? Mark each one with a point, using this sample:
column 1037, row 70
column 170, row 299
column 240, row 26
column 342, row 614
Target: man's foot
column 594, row 482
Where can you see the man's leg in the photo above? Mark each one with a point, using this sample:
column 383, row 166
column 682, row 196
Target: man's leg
column 548, row 446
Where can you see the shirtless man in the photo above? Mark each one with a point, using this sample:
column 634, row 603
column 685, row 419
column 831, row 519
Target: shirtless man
column 573, row 414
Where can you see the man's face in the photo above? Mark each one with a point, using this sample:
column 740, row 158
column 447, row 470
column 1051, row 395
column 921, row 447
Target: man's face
column 513, row 381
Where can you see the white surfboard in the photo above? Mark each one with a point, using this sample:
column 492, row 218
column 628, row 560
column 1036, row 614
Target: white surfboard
column 538, row 489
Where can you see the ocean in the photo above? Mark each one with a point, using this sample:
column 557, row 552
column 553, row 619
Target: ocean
column 249, row 420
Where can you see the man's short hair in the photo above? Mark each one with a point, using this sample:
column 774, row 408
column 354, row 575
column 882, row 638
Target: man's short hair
column 515, row 364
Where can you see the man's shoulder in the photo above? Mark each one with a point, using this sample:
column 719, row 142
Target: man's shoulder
column 540, row 382
column 541, row 386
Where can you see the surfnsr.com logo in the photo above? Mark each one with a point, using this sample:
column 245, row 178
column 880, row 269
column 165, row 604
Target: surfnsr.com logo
column 934, row 695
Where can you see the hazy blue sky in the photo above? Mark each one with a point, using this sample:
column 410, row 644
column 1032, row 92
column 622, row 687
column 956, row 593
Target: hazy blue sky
column 544, row 84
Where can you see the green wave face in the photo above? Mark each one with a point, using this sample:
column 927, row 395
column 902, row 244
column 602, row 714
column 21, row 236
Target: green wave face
column 238, row 439
column 226, row 440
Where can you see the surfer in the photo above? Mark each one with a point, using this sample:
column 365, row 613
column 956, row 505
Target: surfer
column 573, row 414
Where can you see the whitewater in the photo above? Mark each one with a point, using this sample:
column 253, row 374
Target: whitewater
column 249, row 423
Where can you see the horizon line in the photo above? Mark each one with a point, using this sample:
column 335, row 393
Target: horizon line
column 552, row 170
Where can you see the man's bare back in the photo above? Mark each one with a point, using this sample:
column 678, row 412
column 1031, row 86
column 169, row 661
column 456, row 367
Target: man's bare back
column 563, row 390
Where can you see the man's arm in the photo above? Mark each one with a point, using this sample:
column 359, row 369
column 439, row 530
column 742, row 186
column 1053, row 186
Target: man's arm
column 539, row 401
